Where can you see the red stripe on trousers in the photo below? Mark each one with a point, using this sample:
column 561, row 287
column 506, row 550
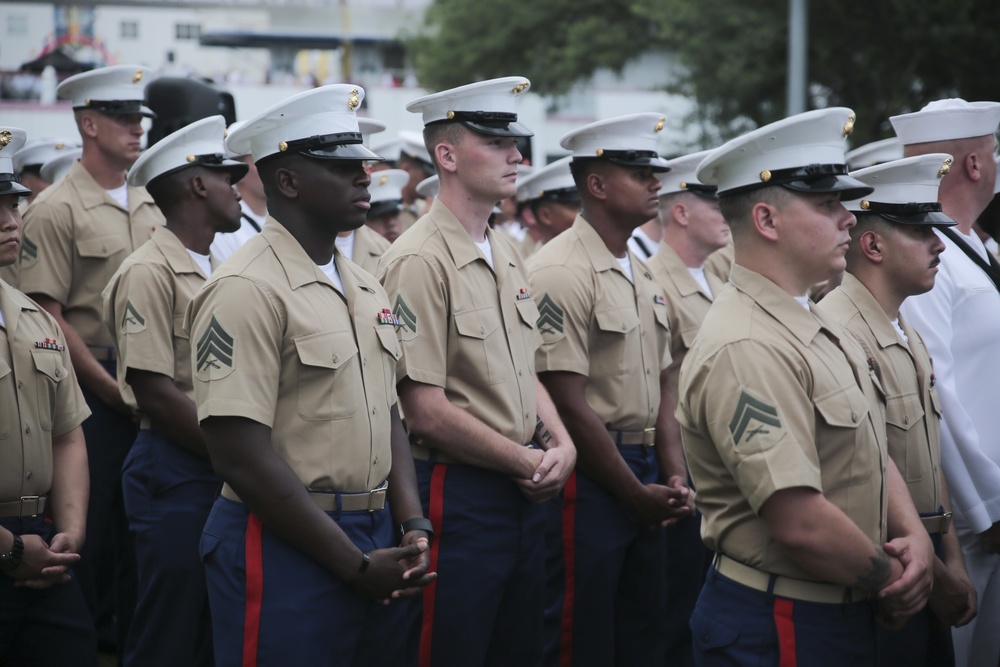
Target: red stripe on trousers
column 254, row 591
column 569, row 569
column 786, row 632
column 436, row 512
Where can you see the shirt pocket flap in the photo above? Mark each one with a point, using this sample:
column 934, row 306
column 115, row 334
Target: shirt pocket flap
column 903, row 411
column 102, row 246
column 329, row 349
column 846, row 407
column 935, row 402
column 387, row 336
column 688, row 335
column 179, row 330
column 660, row 312
column 49, row 364
column 528, row 311
column 478, row 323
column 617, row 320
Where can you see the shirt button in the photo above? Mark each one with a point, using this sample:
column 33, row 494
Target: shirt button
column 28, row 430
column 623, row 326
column 854, row 416
column 373, row 410
column 906, row 419
column 335, row 358
column 20, row 385
column 375, row 461
column 29, row 475
column 482, row 330
column 364, row 360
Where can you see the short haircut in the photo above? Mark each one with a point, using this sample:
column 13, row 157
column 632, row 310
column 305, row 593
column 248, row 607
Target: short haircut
column 580, row 169
column 736, row 208
column 438, row 133
column 171, row 190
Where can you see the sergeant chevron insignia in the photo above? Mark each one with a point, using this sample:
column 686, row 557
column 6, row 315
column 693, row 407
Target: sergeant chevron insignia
column 749, row 410
column 29, row 250
column 215, row 352
column 132, row 319
column 407, row 318
column 551, row 318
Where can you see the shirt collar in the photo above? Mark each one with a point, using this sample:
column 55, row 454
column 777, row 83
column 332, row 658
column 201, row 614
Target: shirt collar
column 804, row 324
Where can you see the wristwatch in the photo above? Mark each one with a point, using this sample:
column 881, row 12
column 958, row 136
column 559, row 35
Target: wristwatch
column 419, row 523
column 10, row 560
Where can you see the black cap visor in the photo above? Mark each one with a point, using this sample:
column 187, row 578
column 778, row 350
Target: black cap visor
column 9, row 185
column 119, row 107
column 237, row 170
column 490, row 123
column 908, row 214
column 632, row 159
column 561, row 195
column 380, row 208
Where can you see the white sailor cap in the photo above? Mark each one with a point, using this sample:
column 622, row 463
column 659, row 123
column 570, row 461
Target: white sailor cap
column 681, row 177
column 906, row 190
column 412, row 145
column 11, row 141
column 945, row 120
column 802, row 153
column 626, row 140
column 320, row 123
column 200, row 144
column 59, row 166
column 386, row 191
column 877, row 152
column 114, row 90
column 388, row 148
column 553, row 182
column 428, row 188
column 38, row 152
column 486, row 107
column 368, row 127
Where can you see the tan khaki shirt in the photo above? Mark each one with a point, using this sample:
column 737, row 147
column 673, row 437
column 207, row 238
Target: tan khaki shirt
column 39, row 395
column 368, row 248
column 75, row 238
column 596, row 323
column 720, row 261
column 144, row 306
column 687, row 304
column 274, row 341
column 773, row 397
column 912, row 410
column 465, row 327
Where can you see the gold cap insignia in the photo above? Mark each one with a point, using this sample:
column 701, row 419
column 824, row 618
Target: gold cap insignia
column 600, row 152
column 451, row 115
column 282, row 146
column 86, row 102
column 5, row 138
column 849, row 125
column 59, row 147
column 541, row 192
column 865, row 204
column 225, row 133
column 765, row 176
column 945, row 168
column 659, row 124
column 137, row 77
column 383, row 180
column 519, row 88
column 683, row 185
column 353, row 101
column 191, row 158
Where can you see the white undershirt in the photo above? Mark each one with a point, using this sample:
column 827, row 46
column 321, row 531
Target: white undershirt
column 3, row 322
column 974, row 242
column 333, row 274
column 204, row 262
column 699, row 277
column 803, row 300
column 899, row 330
column 487, row 251
column 120, row 195
column 346, row 245
column 626, row 265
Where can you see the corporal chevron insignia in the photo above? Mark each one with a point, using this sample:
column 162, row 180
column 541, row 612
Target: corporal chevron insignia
column 215, row 352
column 748, row 410
column 550, row 316
column 29, row 250
column 407, row 318
column 132, row 319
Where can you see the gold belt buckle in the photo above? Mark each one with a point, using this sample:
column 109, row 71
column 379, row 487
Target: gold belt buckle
column 34, row 512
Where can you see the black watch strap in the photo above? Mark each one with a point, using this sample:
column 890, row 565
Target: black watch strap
column 10, row 560
column 419, row 523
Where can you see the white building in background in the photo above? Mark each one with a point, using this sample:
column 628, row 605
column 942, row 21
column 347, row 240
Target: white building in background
column 263, row 53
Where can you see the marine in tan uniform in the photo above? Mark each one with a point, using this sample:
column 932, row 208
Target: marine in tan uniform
column 43, row 468
column 77, row 233
column 549, row 202
column 294, row 372
column 387, row 204
column 693, row 229
column 489, row 444
column 604, row 359
column 894, row 254
column 167, row 480
column 783, row 425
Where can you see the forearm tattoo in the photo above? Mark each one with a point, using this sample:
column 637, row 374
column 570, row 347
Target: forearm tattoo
column 877, row 577
column 542, row 434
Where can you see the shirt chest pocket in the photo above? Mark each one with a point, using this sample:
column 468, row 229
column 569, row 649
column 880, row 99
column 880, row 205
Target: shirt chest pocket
column 617, row 345
column 391, row 354
column 480, row 346
column 49, row 372
column 528, row 313
column 101, row 247
column 902, row 414
column 847, row 452
column 328, row 384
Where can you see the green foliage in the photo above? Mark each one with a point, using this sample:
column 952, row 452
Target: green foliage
column 879, row 57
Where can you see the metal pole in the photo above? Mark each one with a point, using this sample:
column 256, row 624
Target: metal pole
column 798, row 47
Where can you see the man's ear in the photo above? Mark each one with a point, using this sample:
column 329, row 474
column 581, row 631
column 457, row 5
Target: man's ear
column 765, row 218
